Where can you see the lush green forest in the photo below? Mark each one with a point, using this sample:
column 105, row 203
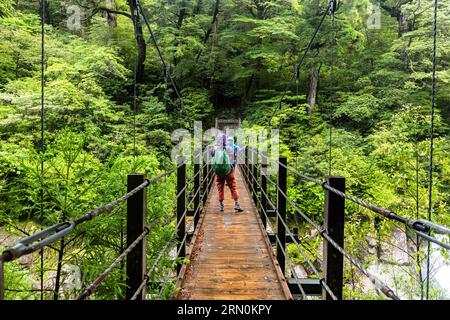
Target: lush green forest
column 368, row 75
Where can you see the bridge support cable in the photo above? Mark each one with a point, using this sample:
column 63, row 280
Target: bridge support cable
column 196, row 197
column 56, row 232
column 138, row 288
column 292, row 170
column 135, row 21
column 330, row 112
column 41, row 191
column 93, row 286
column 181, row 210
column 161, row 57
column 280, row 219
column 282, row 248
column 332, row 7
column 430, row 175
column 206, row 185
column 419, row 226
column 264, row 189
column 323, row 232
column 183, row 242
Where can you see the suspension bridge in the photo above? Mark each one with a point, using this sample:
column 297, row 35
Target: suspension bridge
column 231, row 255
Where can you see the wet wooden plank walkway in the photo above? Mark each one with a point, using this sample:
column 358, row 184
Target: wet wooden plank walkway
column 230, row 255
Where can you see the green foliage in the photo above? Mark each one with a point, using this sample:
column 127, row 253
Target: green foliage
column 197, row 104
column 360, row 110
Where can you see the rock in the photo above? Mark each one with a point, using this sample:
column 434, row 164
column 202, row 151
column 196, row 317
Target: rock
column 300, row 271
column 371, row 241
column 70, row 279
column 71, row 275
column 7, row 240
column 314, row 233
column 26, row 260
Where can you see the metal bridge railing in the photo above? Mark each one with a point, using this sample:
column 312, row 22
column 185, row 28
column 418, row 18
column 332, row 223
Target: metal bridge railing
column 137, row 272
column 254, row 167
column 419, row 226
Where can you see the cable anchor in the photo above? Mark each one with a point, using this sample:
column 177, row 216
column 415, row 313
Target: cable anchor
column 39, row 240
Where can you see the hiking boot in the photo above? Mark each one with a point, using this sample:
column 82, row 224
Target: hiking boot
column 237, row 207
column 222, row 207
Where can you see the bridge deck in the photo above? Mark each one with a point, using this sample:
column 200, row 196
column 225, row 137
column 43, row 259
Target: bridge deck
column 230, row 255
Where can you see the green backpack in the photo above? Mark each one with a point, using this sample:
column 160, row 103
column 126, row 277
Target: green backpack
column 221, row 163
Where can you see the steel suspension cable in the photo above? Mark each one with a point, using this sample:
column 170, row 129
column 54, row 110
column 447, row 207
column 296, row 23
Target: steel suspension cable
column 300, row 62
column 311, row 265
column 93, row 286
column 58, row 231
column 135, row 22
column 323, row 232
column 278, row 240
column 419, row 226
column 161, row 57
column 164, row 249
column 384, row 288
column 41, row 195
column 330, row 112
column 292, row 170
column 155, row 263
column 166, row 280
column 430, row 176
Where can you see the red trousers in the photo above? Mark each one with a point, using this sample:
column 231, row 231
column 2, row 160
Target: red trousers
column 230, row 179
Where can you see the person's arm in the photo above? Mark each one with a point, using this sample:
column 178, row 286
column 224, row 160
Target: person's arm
column 237, row 148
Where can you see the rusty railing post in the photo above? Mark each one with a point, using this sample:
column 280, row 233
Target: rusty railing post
column 264, row 199
column 181, row 209
column 197, row 190
column 281, row 209
column 333, row 261
column 136, row 260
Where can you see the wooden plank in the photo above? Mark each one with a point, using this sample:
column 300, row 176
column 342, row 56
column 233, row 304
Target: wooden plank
column 230, row 256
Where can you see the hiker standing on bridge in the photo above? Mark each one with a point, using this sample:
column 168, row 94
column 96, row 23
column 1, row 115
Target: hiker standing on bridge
column 224, row 164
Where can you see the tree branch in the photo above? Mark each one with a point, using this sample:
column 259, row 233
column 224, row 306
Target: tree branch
column 126, row 14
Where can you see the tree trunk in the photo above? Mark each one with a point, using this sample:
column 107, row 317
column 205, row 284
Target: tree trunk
column 140, row 41
column 403, row 24
column 313, row 85
column 249, row 87
column 111, row 17
column 396, row 12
